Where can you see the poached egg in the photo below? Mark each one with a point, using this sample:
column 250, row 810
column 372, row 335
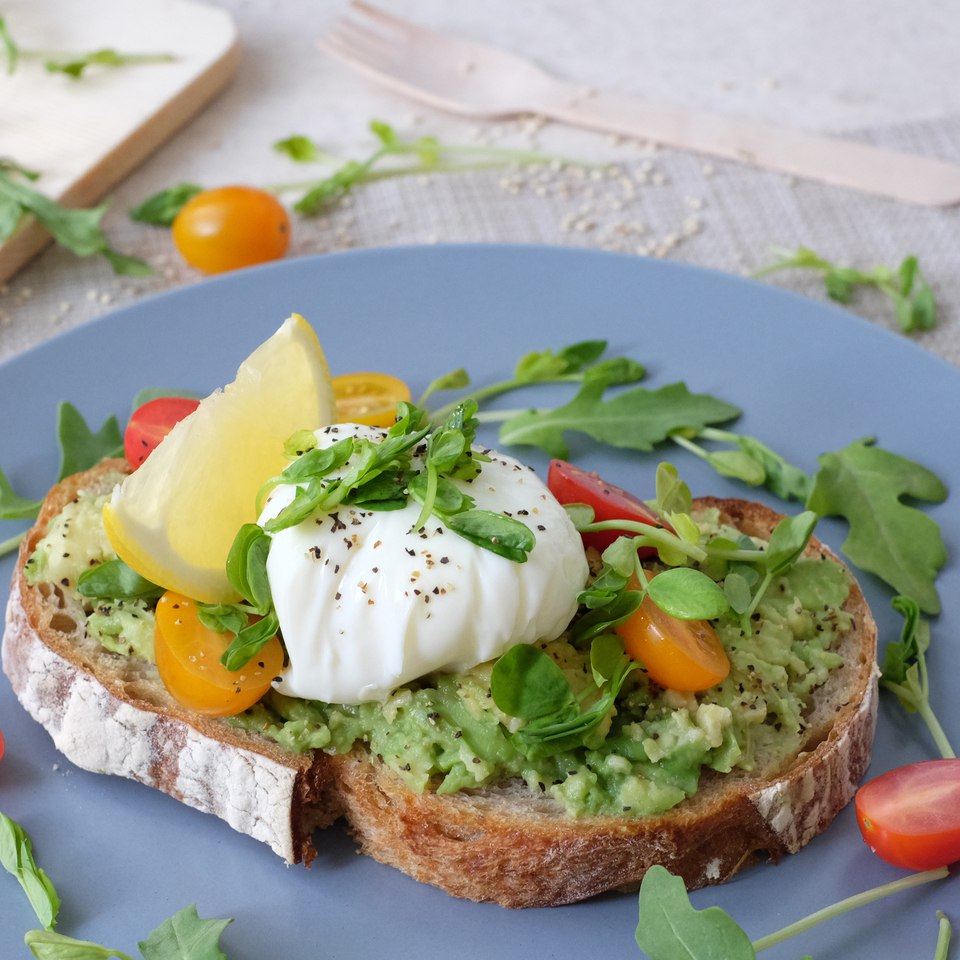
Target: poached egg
column 366, row 603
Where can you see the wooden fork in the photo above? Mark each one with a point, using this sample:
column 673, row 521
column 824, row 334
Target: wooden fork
column 479, row 81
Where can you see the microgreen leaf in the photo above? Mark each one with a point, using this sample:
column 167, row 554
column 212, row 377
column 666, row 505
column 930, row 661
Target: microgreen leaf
column 223, row 617
column 161, row 208
column 75, row 67
column 421, row 155
column 528, row 684
column 688, row 594
column 247, row 566
column 899, row 543
column 544, row 365
column 788, row 540
column 560, row 725
column 635, row 419
column 47, row 945
column 905, row 288
column 114, row 580
column 301, row 149
column 673, row 494
column 905, row 670
column 250, row 641
column 670, row 928
column 502, row 535
column 77, row 229
column 618, row 607
column 454, row 380
column 185, row 937
column 16, row 857
column 80, row 447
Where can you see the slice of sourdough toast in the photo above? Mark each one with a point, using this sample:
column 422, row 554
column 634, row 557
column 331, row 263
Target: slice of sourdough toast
column 110, row 713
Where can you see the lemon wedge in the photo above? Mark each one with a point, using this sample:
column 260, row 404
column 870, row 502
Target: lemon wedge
column 174, row 519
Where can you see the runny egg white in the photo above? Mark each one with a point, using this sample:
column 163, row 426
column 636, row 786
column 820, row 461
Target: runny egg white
column 367, row 604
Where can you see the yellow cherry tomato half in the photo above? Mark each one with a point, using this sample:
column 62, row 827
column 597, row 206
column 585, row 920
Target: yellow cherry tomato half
column 684, row 655
column 231, row 227
column 369, row 398
column 188, row 661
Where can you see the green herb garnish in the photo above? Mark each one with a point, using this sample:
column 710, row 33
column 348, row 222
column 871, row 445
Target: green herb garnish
column 905, row 670
column 76, row 66
column 73, row 65
column 183, row 937
column 527, row 684
column 862, row 482
column 670, row 928
column 392, row 157
column 905, row 287
column 897, row 542
column 16, row 857
column 80, row 449
column 77, row 229
column 161, row 209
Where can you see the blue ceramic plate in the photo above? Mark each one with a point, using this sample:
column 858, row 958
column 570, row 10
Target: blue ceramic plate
column 809, row 379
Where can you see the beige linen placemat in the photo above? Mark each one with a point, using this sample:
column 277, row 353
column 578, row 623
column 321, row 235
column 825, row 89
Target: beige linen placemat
column 649, row 202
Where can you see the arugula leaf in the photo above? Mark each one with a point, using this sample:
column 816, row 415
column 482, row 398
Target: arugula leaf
column 16, row 857
column 636, row 419
column 900, row 544
column 185, row 937
column 905, row 287
column 80, row 447
column 687, row 594
column 161, row 208
column 12, row 505
column 77, row 229
column 670, row 928
column 905, row 673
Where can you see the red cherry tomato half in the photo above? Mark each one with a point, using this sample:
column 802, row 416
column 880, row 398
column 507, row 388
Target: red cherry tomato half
column 570, row 484
column 151, row 423
column 910, row 817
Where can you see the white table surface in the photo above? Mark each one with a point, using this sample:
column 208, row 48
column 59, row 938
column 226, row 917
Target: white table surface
column 880, row 70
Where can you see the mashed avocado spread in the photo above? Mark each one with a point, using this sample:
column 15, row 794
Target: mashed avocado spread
column 445, row 733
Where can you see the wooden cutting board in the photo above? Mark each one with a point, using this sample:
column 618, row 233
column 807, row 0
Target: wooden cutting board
column 85, row 135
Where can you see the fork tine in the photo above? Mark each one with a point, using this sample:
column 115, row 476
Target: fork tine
column 361, row 38
column 381, row 16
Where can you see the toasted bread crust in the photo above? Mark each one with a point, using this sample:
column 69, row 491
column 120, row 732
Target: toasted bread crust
column 110, row 714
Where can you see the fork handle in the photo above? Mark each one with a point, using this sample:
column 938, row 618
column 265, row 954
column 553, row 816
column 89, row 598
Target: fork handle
column 842, row 163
